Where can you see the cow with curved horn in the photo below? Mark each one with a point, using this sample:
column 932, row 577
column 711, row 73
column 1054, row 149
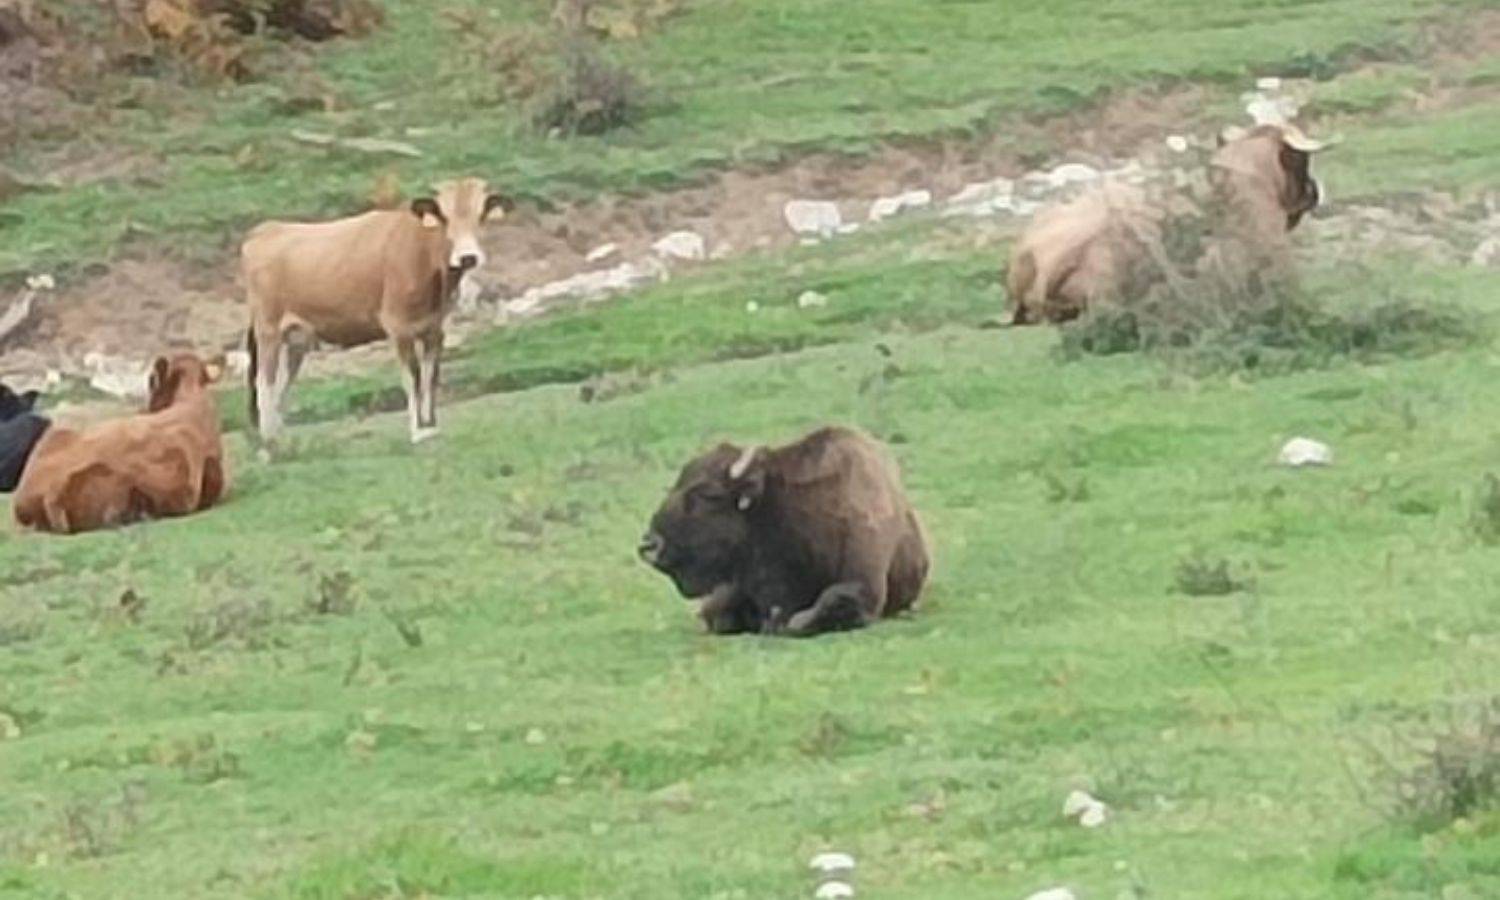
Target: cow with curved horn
column 386, row 274
column 1078, row 253
column 799, row 540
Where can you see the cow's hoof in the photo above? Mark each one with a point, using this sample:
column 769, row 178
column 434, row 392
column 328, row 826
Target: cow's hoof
column 423, row 435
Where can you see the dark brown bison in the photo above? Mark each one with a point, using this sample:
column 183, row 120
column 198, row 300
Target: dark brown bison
column 798, row 540
column 20, row 429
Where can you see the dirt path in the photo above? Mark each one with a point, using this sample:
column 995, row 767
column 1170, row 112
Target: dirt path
column 144, row 305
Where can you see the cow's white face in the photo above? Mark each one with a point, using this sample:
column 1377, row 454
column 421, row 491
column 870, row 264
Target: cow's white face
column 460, row 208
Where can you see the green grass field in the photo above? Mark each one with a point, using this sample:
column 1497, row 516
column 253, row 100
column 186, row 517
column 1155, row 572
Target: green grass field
column 383, row 672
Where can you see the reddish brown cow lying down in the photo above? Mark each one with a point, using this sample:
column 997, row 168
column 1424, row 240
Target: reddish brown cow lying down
column 386, row 274
column 167, row 461
column 1080, row 252
column 798, row 540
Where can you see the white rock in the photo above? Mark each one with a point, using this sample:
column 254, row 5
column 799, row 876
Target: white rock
column 811, row 300
column 536, row 737
column 886, row 207
column 1270, row 84
column 828, row 863
column 588, row 286
column 1094, row 816
column 1073, row 173
column 1061, row 893
column 41, row 282
column 469, row 292
column 237, row 362
column 121, row 378
column 1271, row 110
column 813, row 217
column 833, row 890
column 17, row 313
column 681, row 245
column 848, row 228
column 751, row 306
column 602, row 252
column 1076, row 803
column 982, row 198
column 1177, row 143
column 1487, row 253
column 1300, row 452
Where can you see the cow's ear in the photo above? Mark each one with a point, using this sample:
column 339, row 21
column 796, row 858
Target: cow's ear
column 747, row 478
column 427, row 210
column 496, row 207
column 213, row 370
column 158, row 375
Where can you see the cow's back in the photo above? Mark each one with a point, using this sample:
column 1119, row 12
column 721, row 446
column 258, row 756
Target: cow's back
column 330, row 275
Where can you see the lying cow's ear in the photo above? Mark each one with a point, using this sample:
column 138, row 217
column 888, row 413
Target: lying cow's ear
column 213, row 371
column 427, row 209
column 158, row 375
column 494, row 202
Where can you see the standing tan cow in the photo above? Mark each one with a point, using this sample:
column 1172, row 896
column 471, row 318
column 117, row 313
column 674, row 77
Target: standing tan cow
column 1078, row 253
column 386, row 274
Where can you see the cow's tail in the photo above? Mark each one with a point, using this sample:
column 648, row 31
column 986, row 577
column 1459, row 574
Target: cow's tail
column 1020, row 282
column 254, row 369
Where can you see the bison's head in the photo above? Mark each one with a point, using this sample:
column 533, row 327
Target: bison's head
column 174, row 377
column 460, row 208
column 13, row 404
column 700, row 535
column 1275, row 159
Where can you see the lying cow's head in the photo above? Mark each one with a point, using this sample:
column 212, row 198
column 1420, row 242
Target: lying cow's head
column 13, row 404
column 1279, row 156
column 700, row 534
column 459, row 208
column 183, row 374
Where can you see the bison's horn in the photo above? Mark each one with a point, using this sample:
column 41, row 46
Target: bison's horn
column 742, row 465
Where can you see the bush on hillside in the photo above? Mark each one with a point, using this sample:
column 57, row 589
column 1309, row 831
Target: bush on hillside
column 1445, row 770
column 1217, row 298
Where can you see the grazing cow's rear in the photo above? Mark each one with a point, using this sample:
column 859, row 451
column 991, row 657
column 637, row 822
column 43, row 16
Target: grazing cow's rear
column 1078, row 253
column 385, row 274
column 167, row 461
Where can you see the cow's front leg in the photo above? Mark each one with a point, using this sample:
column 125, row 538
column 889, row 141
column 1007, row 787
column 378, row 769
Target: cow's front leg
column 411, row 380
column 431, row 347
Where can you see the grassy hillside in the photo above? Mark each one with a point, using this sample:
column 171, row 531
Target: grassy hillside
column 733, row 82
column 381, row 671
column 552, row 725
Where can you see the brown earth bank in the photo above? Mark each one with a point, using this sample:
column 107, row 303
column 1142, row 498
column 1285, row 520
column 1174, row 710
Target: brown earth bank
column 147, row 301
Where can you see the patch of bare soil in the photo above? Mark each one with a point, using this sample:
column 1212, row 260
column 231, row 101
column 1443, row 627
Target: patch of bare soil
column 140, row 307
column 143, row 306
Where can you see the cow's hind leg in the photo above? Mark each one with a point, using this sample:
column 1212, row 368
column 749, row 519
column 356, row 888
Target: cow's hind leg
column 295, row 342
column 267, row 377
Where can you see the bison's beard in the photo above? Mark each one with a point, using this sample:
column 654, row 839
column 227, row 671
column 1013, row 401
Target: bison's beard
column 695, row 585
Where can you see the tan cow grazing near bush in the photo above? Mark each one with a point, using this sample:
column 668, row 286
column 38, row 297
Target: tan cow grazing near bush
column 798, row 540
column 385, row 274
column 1091, row 248
column 167, row 461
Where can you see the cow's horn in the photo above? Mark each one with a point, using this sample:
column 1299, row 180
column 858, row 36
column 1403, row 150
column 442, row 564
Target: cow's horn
column 742, row 465
column 1297, row 140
